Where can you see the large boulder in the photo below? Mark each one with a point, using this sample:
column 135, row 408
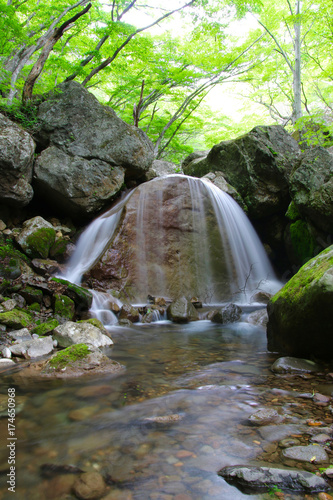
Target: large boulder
column 182, row 311
column 167, row 244
column 75, row 185
column 75, row 122
column 300, row 314
column 311, row 187
column 17, row 150
column 257, row 165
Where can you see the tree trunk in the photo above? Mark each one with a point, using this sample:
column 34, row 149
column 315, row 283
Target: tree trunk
column 297, row 83
column 50, row 43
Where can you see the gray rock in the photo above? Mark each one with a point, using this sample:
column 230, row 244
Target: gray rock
column 32, row 348
column 289, row 364
column 259, row 318
column 182, row 311
column 229, row 313
column 300, row 306
column 311, row 187
column 196, row 155
column 264, row 478
column 6, row 352
column 265, row 416
column 75, row 185
column 219, row 181
column 80, row 333
column 311, row 453
column 20, row 335
column 9, row 305
column 129, row 312
column 16, row 160
column 6, row 363
column 74, row 121
column 162, row 167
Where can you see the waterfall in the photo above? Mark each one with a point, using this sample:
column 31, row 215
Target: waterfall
column 170, row 236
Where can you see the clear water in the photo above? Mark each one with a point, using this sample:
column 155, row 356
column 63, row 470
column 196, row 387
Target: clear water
column 209, row 378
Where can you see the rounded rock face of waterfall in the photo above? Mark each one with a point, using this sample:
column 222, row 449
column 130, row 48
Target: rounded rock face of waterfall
column 175, row 235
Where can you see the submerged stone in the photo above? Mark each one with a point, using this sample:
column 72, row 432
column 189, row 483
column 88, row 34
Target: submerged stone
column 264, row 478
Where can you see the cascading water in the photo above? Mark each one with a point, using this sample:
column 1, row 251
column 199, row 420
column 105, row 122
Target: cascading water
column 175, row 235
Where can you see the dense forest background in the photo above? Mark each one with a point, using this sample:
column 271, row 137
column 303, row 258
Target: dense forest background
column 171, row 67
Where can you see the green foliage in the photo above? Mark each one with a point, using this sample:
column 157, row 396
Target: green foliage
column 24, row 114
column 314, row 131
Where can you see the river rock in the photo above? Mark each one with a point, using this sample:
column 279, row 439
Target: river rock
column 257, row 165
column 32, row 348
column 218, row 180
column 74, row 121
column 17, row 150
column 311, row 453
column 304, row 306
column 36, row 237
column 80, row 333
column 229, row 313
column 89, row 486
column 182, row 311
column 264, row 478
column 259, row 318
column 289, row 364
column 77, row 186
column 20, row 335
column 311, row 187
column 129, row 312
column 81, row 296
column 265, row 416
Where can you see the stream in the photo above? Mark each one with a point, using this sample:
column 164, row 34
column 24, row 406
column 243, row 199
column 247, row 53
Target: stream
column 163, row 427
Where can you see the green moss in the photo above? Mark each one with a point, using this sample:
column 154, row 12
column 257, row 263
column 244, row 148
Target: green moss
column 302, row 241
column 68, row 356
column 292, row 212
column 45, row 328
column 34, row 307
column 64, row 307
column 38, row 243
column 95, row 322
column 312, row 271
column 80, row 295
column 10, row 260
column 15, row 318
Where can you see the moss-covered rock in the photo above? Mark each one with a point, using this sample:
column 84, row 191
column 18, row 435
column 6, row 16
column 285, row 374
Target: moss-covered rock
column 64, row 307
column 35, row 307
column 69, row 356
column 32, row 295
column 95, row 322
column 15, row 319
column 300, row 314
column 45, row 328
column 36, row 237
column 300, row 242
column 12, row 262
column 81, row 296
column 293, row 213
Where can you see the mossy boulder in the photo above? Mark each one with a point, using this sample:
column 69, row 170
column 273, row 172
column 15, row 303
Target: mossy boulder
column 182, row 311
column 64, row 307
column 300, row 314
column 292, row 212
column 12, row 262
column 32, row 295
column 69, row 356
column 15, row 319
column 36, row 237
column 81, row 296
column 45, row 328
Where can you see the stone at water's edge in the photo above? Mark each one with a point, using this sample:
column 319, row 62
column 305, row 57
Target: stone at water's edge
column 182, row 311
column 300, row 314
column 264, row 478
column 227, row 314
column 76, row 333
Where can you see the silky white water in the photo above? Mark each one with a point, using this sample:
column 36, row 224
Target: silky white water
column 230, row 266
